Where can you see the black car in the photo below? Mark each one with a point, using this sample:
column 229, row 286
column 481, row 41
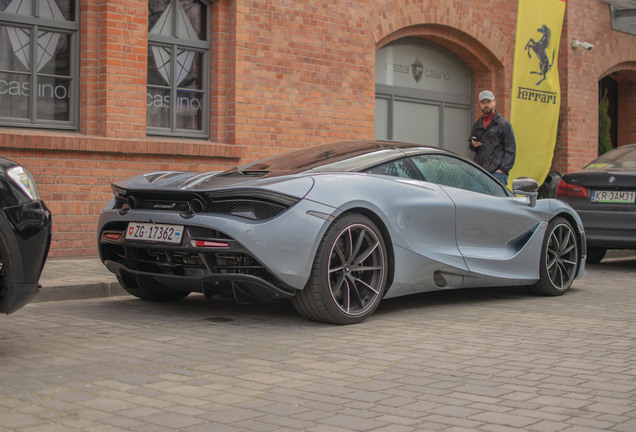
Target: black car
column 604, row 195
column 25, row 236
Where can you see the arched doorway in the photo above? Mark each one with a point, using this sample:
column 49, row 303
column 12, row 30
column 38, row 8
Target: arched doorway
column 423, row 95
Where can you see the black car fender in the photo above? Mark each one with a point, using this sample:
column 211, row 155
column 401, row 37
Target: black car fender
column 10, row 251
column 14, row 293
column 23, row 251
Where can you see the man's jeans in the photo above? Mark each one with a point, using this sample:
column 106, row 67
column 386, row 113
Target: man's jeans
column 502, row 177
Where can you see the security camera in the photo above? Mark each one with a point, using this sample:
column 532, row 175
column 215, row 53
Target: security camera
column 586, row 45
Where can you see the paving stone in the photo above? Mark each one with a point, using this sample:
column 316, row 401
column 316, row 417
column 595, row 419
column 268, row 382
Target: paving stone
column 494, row 360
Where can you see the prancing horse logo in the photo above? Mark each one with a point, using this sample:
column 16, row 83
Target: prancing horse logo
column 540, row 49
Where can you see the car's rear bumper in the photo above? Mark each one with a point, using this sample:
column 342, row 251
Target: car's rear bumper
column 240, row 287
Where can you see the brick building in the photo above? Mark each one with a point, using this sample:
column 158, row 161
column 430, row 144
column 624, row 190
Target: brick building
column 126, row 87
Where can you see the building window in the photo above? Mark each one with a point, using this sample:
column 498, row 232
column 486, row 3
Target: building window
column 178, row 68
column 38, row 66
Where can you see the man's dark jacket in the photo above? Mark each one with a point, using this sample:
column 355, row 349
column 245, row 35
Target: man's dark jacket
column 498, row 147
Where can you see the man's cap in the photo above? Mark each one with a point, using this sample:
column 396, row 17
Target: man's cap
column 486, row 94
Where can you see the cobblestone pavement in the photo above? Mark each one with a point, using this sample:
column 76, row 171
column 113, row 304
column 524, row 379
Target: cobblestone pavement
column 484, row 359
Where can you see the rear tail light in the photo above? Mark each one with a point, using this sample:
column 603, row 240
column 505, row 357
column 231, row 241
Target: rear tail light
column 112, row 236
column 210, row 244
column 569, row 190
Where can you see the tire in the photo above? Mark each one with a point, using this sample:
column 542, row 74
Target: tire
column 6, row 265
column 595, row 254
column 15, row 291
column 560, row 256
column 349, row 274
column 6, row 275
column 141, row 290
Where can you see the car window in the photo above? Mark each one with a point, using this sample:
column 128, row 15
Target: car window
column 451, row 171
column 397, row 168
column 621, row 157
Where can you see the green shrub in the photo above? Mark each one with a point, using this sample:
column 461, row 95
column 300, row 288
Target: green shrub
column 604, row 123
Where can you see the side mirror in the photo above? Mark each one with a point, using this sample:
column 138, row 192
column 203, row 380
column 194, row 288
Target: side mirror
column 525, row 186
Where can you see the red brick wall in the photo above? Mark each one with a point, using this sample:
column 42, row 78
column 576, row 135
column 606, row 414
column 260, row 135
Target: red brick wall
column 590, row 21
column 89, row 68
column 122, row 60
column 290, row 75
column 221, row 77
column 74, row 174
column 304, row 74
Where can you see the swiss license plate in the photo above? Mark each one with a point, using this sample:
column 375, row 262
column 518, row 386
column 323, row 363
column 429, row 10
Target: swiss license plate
column 613, row 197
column 156, row 233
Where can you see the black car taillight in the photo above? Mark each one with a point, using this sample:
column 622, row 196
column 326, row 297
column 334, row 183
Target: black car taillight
column 566, row 189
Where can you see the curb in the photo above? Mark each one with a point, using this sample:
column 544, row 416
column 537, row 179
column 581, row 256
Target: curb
column 60, row 280
column 79, row 292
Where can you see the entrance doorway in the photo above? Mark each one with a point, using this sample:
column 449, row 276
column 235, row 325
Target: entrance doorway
column 423, row 95
column 608, row 88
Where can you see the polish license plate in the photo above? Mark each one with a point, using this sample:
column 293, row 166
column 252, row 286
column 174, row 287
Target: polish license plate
column 614, row 197
column 156, row 233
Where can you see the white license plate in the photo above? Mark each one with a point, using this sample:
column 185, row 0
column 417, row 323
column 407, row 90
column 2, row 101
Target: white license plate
column 156, row 233
column 613, row 197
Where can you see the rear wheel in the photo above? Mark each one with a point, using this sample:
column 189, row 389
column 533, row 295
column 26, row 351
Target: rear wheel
column 595, row 254
column 348, row 275
column 560, row 256
column 146, row 291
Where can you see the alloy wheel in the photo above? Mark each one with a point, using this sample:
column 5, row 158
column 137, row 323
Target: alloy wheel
column 562, row 256
column 356, row 269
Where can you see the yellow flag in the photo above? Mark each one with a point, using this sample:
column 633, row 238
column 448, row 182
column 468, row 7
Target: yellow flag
column 536, row 93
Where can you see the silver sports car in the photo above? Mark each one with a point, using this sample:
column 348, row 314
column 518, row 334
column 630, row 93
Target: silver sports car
column 336, row 228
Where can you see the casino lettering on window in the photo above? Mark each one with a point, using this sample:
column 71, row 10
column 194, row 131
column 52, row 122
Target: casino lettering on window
column 38, row 43
column 177, row 99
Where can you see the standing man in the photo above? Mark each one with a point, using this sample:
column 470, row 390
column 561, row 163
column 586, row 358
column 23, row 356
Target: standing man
column 492, row 140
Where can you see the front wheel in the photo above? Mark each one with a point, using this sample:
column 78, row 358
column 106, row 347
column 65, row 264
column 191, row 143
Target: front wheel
column 349, row 273
column 560, row 256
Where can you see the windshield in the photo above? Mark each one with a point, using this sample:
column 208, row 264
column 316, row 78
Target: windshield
column 622, row 157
